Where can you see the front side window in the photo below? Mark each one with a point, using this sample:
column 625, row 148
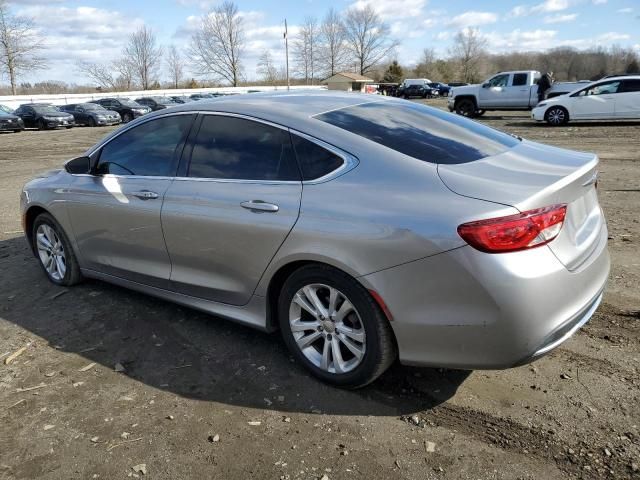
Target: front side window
column 241, row 149
column 151, row 149
column 520, row 79
column 499, row 81
column 422, row 132
column 602, row 89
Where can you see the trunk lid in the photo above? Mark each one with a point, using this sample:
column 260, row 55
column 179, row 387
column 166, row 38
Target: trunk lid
column 531, row 176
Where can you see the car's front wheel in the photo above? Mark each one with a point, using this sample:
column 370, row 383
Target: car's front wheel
column 54, row 251
column 126, row 118
column 466, row 107
column 556, row 116
column 333, row 326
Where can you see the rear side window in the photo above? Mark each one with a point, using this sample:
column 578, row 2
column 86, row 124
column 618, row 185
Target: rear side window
column 421, row 132
column 240, row 149
column 631, row 86
column 150, row 149
column 315, row 161
column 519, row 79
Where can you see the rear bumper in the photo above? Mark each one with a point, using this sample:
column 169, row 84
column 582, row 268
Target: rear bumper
column 467, row 309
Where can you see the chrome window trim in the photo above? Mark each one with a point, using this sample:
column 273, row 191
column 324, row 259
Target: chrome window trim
column 349, row 161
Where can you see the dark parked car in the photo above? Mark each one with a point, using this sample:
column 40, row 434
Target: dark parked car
column 156, row 103
column 43, row 116
column 441, row 89
column 10, row 122
column 416, row 91
column 91, row 114
column 128, row 109
column 204, row 96
column 181, row 99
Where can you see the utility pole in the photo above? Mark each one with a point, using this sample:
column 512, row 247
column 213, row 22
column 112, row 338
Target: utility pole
column 286, row 48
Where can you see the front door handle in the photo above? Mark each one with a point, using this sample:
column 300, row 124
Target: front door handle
column 259, row 205
column 145, row 195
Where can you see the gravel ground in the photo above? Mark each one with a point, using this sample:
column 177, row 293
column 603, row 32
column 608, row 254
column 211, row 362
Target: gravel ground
column 113, row 383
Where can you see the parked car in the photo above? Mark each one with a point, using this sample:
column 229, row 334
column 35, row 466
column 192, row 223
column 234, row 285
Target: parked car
column 156, row 103
column 127, row 109
column 91, row 114
column 5, row 109
column 10, row 122
column 441, row 89
column 43, row 116
column 180, row 99
column 615, row 98
column 322, row 215
column 504, row 91
column 413, row 91
column 204, row 96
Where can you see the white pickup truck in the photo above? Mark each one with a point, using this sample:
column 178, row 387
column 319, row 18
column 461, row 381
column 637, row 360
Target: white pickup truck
column 504, row 91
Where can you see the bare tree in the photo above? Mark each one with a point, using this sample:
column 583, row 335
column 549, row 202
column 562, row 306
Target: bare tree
column 267, row 69
column 99, row 73
column 19, row 46
column 305, row 49
column 425, row 68
column 175, row 63
column 468, row 49
column 126, row 72
column 217, row 47
column 143, row 52
column 333, row 51
column 368, row 37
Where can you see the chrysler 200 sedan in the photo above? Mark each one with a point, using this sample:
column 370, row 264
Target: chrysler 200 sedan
column 364, row 228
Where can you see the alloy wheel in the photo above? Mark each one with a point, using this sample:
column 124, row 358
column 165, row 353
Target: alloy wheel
column 51, row 252
column 327, row 328
column 556, row 116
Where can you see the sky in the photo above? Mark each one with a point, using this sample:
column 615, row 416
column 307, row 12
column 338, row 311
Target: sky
column 96, row 31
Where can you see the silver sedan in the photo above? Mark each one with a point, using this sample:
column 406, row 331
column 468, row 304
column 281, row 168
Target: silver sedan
column 364, row 228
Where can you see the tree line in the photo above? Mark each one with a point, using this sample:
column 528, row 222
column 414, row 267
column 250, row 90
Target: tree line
column 356, row 40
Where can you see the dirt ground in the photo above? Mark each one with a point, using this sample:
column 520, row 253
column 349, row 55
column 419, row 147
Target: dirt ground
column 198, row 397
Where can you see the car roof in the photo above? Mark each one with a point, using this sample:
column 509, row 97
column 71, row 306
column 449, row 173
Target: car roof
column 618, row 77
column 283, row 107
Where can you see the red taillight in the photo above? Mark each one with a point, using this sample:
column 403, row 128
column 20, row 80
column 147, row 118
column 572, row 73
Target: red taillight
column 528, row 229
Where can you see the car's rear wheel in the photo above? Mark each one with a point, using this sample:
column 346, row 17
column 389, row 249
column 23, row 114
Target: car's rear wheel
column 126, row 118
column 334, row 327
column 556, row 116
column 466, row 107
column 54, row 251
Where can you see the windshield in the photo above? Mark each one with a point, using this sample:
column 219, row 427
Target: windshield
column 130, row 103
column 47, row 109
column 91, row 106
column 5, row 114
column 4, row 108
column 163, row 101
column 421, row 132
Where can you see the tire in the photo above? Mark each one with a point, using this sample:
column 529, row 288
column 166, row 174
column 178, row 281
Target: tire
column 466, row 107
column 40, row 125
column 364, row 327
column 92, row 122
column 556, row 116
column 46, row 226
column 126, row 118
column 479, row 113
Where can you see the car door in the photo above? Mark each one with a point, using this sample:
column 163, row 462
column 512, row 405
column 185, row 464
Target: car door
column 627, row 102
column 595, row 102
column 518, row 90
column 115, row 211
column 80, row 115
column 28, row 115
column 229, row 210
column 493, row 93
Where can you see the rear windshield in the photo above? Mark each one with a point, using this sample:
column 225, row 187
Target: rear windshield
column 421, row 132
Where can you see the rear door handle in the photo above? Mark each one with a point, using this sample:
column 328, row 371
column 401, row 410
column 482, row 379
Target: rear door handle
column 259, row 205
column 145, row 195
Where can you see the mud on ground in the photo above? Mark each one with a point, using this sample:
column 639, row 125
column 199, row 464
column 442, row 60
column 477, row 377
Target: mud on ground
column 187, row 377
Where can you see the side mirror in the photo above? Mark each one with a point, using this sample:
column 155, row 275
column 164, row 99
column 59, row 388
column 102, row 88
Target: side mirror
column 486, row 85
column 78, row 165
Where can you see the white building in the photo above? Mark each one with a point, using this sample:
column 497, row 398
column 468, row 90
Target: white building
column 348, row 82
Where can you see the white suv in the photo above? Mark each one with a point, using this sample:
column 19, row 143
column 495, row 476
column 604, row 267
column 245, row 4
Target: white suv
column 615, row 98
